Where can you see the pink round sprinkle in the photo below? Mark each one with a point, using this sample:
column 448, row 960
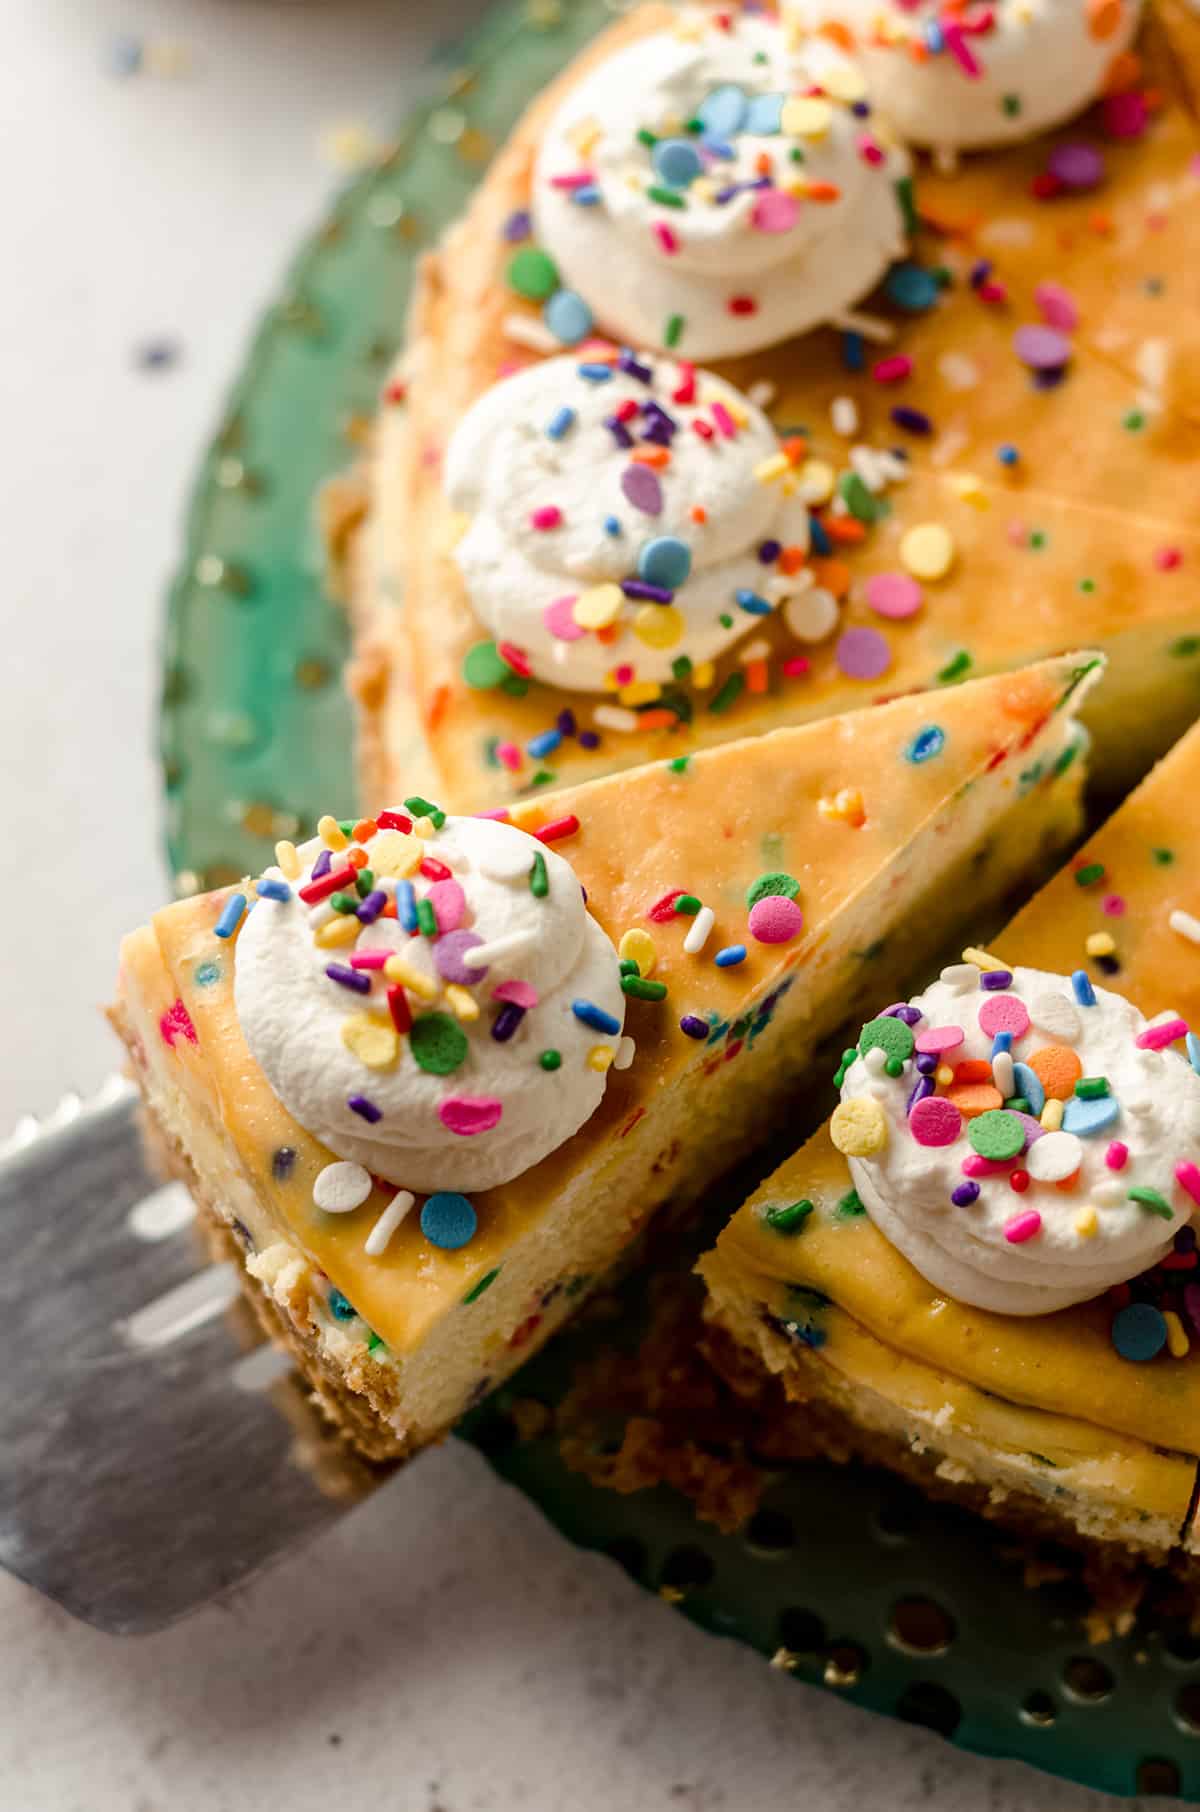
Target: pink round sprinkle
column 796, row 666
column 936, row 1039
column 775, row 212
column 992, row 290
column 509, row 755
column 468, row 1115
column 775, row 919
column 1116, row 1155
column 1166, row 559
column 520, row 993
column 560, row 621
column 1042, row 348
column 1126, row 115
column 870, row 150
column 1022, row 1227
column 863, row 654
column 1076, row 166
column 1157, row 1038
column 1056, row 306
column 975, row 1166
column 548, row 517
column 892, row 370
column 449, row 904
column 1004, row 1013
column 935, row 1121
column 894, row 595
column 1187, row 1175
column 1113, row 905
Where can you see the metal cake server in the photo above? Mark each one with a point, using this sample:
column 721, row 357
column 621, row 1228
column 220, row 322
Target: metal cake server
column 154, row 1451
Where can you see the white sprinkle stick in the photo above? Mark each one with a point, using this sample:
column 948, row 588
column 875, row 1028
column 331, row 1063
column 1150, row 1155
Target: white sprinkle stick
column 1002, row 1074
column 698, row 930
column 388, row 1221
column 615, row 717
column 1185, row 925
column 525, row 330
column 517, row 943
column 871, row 327
column 843, row 413
column 626, row 1051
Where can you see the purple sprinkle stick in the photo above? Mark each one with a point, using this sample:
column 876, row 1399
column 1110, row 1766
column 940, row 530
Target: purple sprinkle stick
column 641, row 588
column 372, row 906
column 618, row 430
column 664, row 424
column 518, row 226
column 692, row 1026
column 863, row 654
column 996, row 979
column 923, row 1087
column 632, row 367
column 565, row 722
column 926, row 1063
column 365, row 1108
column 640, row 487
column 348, row 978
column 322, row 864
column 506, row 1021
column 965, row 1194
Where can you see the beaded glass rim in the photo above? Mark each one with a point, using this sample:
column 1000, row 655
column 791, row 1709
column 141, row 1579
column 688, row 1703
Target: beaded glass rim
column 846, row 1578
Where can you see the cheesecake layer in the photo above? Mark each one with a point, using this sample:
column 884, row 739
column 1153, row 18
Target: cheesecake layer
column 883, row 849
column 811, row 1305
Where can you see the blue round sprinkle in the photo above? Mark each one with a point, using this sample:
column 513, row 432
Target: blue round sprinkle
column 448, row 1220
column 1026, row 1082
column 665, row 561
column 1087, row 1118
column 764, row 113
column 208, row 973
column 911, row 287
column 676, row 162
column 730, row 956
column 612, row 525
column 340, row 1307
column 568, row 317
column 926, row 744
column 1007, row 454
column 723, row 112
column 1139, row 1332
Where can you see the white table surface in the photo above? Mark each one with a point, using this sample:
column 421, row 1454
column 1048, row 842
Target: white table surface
column 443, row 1649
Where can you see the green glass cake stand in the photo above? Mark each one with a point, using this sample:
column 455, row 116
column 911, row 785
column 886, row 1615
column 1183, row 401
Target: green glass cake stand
column 899, row 1605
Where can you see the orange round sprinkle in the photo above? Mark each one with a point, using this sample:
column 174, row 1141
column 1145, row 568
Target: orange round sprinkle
column 1058, row 1069
column 1066, row 1184
column 973, row 1069
column 364, row 830
column 699, row 513
column 1124, row 72
column 791, row 559
column 356, row 858
column 974, row 1098
column 833, row 575
column 1103, row 17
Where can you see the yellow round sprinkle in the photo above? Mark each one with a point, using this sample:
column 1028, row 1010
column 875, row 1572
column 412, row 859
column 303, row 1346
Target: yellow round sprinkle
column 397, row 970
column 659, row 625
column 806, row 116
column 337, row 932
column 599, row 606
column 394, row 853
column 858, row 1127
column 1101, row 943
column 424, row 827
column 1178, row 1344
column 637, row 946
column 461, row 1002
column 1086, row 1222
column 641, row 692
column 331, row 833
column 817, row 479
column 927, row 551
column 288, row 860
column 703, row 675
column 943, row 1075
column 969, row 487
column 1051, row 1116
column 372, row 1040
column 843, row 81
column 599, row 1058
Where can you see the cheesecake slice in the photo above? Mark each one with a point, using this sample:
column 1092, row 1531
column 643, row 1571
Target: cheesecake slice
column 1084, row 1421
column 996, row 454
column 434, row 1075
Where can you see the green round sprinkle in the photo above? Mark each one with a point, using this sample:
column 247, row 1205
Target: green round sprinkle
column 997, row 1135
column 894, row 1066
column 679, row 764
column 643, row 990
column 891, row 1036
column 687, row 904
column 850, row 1205
column 789, row 1217
column 425, row 808
column 344, row 902
column 438, row 1043
column 485, row 1283
column 1092, row 1088
column 1089, row 874
column 1153, row 1203
column 551, row 1060
column 768, row 884
column 533, row 273
column 484, row 667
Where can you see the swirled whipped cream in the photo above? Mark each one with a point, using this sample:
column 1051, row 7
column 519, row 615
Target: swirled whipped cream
column 1020, row 1136
column 719, row 187
column 625, row 513
column 987, row 73
column 440, row 1008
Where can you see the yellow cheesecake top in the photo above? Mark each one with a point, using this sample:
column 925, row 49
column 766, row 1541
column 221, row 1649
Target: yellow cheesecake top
column 1122, row 911
column 818, row 822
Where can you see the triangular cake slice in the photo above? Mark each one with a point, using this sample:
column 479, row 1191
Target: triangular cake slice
column 1085, row 1421
column 996, row 469
column 427, row 1155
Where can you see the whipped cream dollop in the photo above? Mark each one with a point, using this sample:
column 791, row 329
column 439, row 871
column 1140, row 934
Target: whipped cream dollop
column 460, row 1028
column 720, row 187
column 625, row 513
column 1017, row 1136
column 988, row 73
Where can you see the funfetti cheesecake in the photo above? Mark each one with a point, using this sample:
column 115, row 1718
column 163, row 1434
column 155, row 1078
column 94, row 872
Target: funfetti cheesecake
column 980, row 1272
column 988, row 461
column 434, row 1074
